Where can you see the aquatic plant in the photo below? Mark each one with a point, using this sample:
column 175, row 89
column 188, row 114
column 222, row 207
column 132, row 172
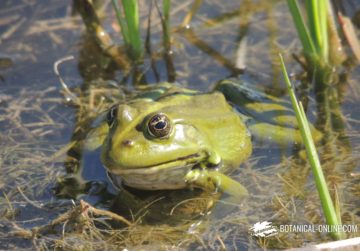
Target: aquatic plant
column 128, row 19
column 331, row 216
column 315, row 37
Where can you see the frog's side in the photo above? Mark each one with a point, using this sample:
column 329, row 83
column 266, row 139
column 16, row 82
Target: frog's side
column 171, row 138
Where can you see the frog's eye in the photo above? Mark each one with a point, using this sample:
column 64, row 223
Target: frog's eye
column 111, row 115
column 159, row 126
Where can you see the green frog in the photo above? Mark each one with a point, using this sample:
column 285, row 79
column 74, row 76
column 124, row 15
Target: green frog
column 170, row 137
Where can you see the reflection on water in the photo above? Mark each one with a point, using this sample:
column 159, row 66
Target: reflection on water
column 36, row 127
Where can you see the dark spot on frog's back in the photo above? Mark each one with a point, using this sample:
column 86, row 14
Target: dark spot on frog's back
column 128, row 142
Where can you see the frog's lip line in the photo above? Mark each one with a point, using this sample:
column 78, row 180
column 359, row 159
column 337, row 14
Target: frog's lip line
column 155, row 168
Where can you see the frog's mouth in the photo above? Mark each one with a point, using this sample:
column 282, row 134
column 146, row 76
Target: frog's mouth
column 184, row 161
column 166, row 175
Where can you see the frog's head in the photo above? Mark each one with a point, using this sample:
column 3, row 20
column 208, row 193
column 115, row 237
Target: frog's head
column 153, row 144
column 152, row 139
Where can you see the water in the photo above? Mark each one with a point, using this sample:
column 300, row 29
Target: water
column 35, row 123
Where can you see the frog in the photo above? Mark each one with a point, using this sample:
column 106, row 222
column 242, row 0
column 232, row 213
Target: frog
column 170, row 137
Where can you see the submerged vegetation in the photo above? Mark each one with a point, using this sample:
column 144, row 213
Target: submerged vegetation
column 33, row 150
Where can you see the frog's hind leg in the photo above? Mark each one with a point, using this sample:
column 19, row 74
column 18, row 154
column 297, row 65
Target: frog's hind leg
column 268, row 118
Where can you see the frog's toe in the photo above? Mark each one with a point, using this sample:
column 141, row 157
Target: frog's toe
column 215, row 181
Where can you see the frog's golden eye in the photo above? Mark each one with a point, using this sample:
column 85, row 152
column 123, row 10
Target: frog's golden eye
column 111, row 115
column 159, row 126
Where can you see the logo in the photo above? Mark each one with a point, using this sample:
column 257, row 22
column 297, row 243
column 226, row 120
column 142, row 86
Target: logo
column 263, row 229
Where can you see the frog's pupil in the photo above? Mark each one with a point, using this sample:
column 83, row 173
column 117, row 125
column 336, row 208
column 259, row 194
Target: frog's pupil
column 160, row 125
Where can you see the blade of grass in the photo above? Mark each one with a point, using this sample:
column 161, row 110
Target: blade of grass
column 312, row 9
column 324, row 194
column 131, row 10
column 121, row 20
column 129, row 23
column 317, row 11
column 303, row 32
column 166, row 11
column 165, row 23
column 323, row 20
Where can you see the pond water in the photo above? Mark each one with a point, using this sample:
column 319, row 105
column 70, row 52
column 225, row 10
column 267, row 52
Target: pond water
column 37, row 124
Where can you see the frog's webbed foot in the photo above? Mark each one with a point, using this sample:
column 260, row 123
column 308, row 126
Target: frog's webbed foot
column 213, row 181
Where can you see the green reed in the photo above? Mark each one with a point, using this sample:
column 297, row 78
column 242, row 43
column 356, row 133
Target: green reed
column 166, row 14
column 313, row 35
column 128, row 19
column 331, row 216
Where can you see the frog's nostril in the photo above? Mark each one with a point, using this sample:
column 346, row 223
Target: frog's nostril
column 127, row 142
